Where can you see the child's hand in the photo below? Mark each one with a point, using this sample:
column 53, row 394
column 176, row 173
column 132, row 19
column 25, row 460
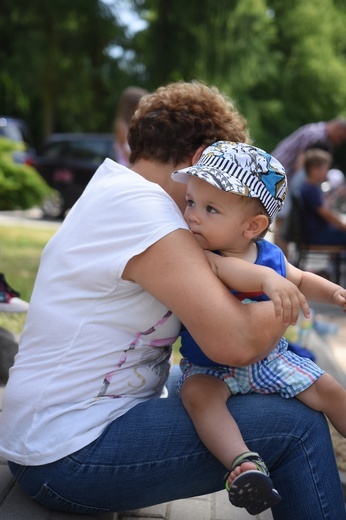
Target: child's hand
column 286, row 297
column 246, row 277
column 339, row 298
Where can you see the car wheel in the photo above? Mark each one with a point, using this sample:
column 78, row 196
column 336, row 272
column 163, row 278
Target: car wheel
column 53, row 206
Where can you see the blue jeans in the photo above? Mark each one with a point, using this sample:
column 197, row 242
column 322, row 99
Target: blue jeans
column 152, row 454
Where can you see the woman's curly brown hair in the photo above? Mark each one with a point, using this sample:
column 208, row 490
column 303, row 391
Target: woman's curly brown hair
column 170, row 124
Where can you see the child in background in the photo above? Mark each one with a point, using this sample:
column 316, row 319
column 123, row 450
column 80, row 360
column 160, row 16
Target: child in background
column 323, row 225
column 233, row 193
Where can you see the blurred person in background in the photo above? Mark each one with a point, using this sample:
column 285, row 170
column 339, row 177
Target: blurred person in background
column 334, row 189
column 324, row 226
column 290, row 153
column 127, row 106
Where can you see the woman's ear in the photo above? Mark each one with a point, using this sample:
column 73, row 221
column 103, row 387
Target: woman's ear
column 255, row 225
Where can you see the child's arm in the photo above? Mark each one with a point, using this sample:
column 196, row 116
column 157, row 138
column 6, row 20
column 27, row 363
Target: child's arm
column 244, row 276
column 317, row 289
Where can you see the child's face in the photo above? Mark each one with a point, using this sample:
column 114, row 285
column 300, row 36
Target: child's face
column 318, row 174
column 215, row 217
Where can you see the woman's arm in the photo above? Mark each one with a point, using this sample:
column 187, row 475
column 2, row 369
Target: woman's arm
column 176, row 272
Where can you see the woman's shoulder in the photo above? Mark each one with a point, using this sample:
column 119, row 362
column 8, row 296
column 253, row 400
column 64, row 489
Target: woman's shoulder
column 121, row 197
column 121, row 185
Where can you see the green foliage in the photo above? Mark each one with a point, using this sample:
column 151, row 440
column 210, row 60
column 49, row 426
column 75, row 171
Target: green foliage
column 55, row 71
column 311, row 82
column 21, row 187
column 283, row 63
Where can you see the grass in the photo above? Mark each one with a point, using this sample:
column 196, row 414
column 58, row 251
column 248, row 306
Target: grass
column 21, row 248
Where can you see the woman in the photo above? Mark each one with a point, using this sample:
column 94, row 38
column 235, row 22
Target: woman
column 82, row 423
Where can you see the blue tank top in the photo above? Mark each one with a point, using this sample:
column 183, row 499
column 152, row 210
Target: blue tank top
column 268, row 255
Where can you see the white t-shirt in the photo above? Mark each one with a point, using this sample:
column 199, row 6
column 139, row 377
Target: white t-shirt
column 93, row 345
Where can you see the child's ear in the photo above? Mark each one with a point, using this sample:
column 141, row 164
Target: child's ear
column 255, row 226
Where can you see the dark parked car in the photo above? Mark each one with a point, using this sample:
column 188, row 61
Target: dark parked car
column 67, row 162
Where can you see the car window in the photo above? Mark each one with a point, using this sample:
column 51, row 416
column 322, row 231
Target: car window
column 54, row 150
column 89, row 150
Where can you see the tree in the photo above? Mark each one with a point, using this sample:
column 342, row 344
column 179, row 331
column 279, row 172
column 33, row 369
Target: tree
column 282, row 62
column 311, row 85
column 226, row 44
column 54, row 66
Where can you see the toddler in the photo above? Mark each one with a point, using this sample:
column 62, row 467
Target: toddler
column 233, row 193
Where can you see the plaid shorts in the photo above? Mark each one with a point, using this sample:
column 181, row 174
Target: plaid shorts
column 282, row 372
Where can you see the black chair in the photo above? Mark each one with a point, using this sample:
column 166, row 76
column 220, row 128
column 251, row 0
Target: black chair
column 305, row 253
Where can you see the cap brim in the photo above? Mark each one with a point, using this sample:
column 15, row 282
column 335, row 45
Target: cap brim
column 229, row 184
column 181, row 175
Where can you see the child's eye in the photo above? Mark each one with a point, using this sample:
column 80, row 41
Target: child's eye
column 190, row 202
column 210, row 209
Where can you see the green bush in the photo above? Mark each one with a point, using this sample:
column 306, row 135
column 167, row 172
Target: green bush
column 21, row 187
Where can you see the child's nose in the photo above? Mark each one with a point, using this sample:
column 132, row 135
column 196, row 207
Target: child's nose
column 193, row 215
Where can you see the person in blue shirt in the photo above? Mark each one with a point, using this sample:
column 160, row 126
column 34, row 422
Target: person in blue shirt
column 323, row 225
column 327, row 135
column 234, row 192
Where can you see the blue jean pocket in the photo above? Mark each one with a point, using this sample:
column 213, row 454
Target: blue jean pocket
column 49, row 498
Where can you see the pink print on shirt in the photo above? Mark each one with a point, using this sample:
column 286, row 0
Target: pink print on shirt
column 157, row 359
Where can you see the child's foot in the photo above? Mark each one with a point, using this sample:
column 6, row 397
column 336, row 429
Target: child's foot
column 238, row 470
column 249, row 485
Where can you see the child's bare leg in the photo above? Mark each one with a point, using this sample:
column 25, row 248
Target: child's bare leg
column 204, row 398
column 248, row 485
column 328, row 396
